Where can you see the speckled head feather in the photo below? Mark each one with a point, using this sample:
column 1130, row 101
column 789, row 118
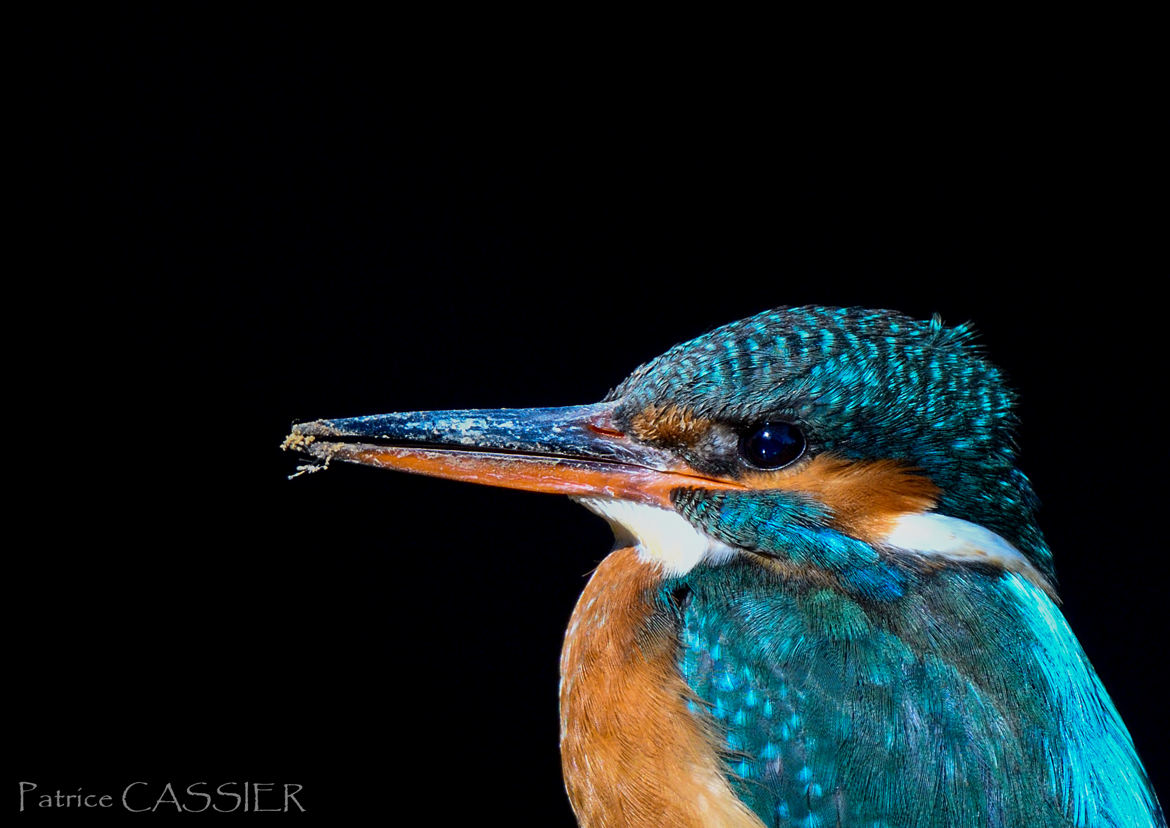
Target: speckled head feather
column 863, row 385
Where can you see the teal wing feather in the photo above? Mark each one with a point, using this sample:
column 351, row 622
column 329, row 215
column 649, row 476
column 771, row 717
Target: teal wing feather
column 961, row 700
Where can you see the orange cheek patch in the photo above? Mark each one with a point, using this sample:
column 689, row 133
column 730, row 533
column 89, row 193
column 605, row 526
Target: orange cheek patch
column 865, row 496
column 670, row 425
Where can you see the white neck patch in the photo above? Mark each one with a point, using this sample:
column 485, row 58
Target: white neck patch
column 661, row 536
column 933, row 535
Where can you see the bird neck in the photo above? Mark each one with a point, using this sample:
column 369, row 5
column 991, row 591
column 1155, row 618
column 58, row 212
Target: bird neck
column 632, row 750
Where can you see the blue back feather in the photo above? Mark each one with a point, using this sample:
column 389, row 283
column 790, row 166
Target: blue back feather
column 964, row 702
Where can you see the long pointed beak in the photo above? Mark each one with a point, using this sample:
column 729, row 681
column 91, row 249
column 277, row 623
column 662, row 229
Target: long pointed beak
column 575, row 450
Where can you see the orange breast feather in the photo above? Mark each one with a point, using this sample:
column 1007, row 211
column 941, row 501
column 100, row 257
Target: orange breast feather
column 632, row 751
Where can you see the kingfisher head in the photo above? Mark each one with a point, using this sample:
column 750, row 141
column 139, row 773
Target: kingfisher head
column 823, row 443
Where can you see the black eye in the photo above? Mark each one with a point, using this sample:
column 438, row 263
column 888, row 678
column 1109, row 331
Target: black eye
column 772, row 445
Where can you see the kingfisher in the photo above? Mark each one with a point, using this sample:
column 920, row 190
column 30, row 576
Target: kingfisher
column 829, row 602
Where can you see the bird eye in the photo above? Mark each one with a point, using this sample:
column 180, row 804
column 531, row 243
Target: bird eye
column 772, row 445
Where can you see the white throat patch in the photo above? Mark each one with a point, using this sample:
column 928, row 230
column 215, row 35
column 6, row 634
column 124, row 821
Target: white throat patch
column 661, row 536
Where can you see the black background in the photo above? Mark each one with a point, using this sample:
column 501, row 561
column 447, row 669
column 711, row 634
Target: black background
column 231, row 228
